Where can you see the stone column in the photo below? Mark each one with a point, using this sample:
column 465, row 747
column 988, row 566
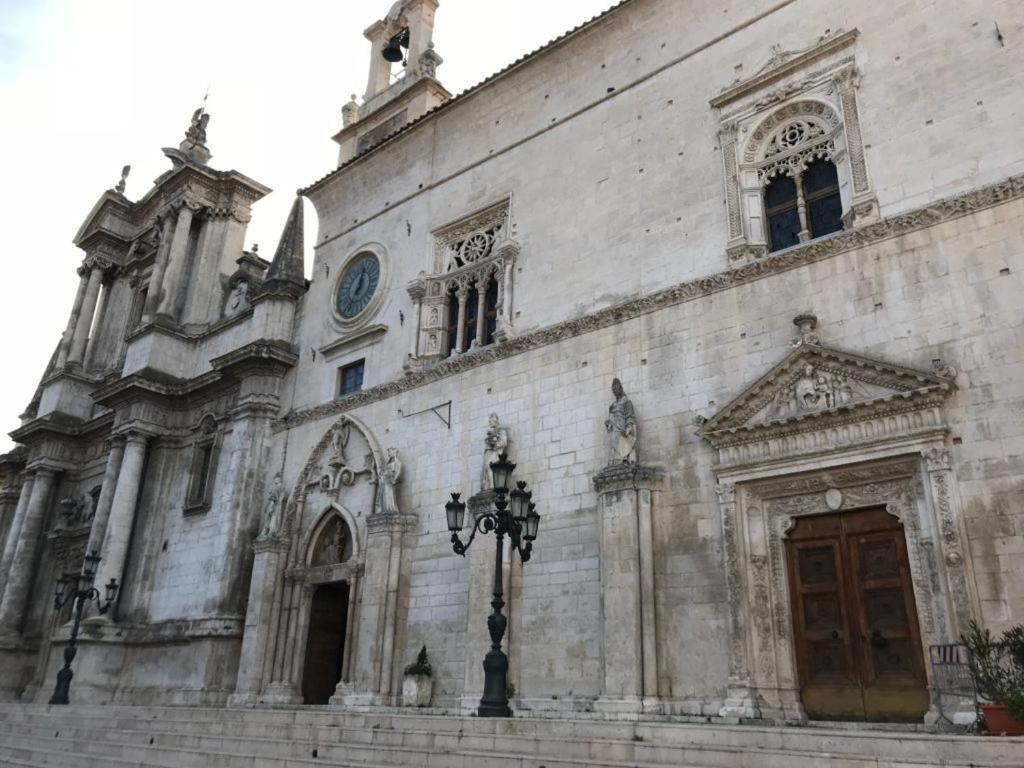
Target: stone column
column 101, row 311
column 379, row 77
column 481, row 312
column 481, row 588
column 175, row 263
column 416, row 292
column 14, row 530
column 106, row 499
column 460, row 331
column 23, row 563
column 801, row 208
column 628, row 494
column 264, row 601
column 76, row 310
column 156, row 279
column 122, row 511
column 81, row 336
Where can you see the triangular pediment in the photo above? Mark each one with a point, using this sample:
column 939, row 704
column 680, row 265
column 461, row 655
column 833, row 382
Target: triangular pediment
column 819, row 383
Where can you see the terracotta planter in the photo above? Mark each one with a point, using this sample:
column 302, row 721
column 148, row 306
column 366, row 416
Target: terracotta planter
column 416, row 690
column 998, row 720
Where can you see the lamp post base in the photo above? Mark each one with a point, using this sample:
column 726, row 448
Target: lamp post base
column 63, row 687
column 494, row 702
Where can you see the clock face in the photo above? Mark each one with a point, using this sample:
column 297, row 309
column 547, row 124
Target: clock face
column 358, row 286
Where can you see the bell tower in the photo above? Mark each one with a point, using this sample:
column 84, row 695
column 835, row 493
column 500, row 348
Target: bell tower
column 402, row 40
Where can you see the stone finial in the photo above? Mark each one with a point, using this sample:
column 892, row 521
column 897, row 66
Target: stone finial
column 350, row 112
column 286, row 275
column 429, row 61
column 119, row 188
column 806, row 323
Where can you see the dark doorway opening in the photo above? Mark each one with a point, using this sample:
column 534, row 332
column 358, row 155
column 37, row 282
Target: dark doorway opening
column 325, row 647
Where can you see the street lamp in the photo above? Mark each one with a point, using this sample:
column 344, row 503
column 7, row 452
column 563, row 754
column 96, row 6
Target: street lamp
column 81, row 591
column 515, row 516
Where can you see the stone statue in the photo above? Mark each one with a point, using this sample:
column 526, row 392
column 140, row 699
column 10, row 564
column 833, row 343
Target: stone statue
column 390, row 475
column 495, row 444
column 272, row 510
column 621, row 427
column 238, row 299
column 124, row 178
column 339, row 441
column 196, row 133
column 77, row 511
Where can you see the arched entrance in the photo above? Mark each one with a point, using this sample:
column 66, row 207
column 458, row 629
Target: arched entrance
column 325, row 647
column 329, row 610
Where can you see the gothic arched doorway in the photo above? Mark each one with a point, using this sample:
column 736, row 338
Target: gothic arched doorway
column 325, row 646
column 329, row 611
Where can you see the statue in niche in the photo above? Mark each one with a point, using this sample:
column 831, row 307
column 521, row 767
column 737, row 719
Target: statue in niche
column 273, row 509
column 77, row 511
column 333, row 545
column 621, row 427
column 339, row 442
column 433, row 317
column 390, row 474
column 238, row 299
column 495, row 444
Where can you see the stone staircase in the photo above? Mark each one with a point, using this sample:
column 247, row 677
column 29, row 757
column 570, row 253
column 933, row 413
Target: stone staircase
column 34, row 736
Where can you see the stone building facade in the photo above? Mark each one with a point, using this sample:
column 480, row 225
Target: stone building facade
column 791, row 230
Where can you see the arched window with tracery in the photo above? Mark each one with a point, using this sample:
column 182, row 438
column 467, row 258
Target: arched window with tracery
column 465, row 304
column 794, row 163
column 803, row 205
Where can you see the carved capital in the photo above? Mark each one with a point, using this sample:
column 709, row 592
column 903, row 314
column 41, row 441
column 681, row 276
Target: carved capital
column 726, row 493
column 847, row 79
column 937, row 459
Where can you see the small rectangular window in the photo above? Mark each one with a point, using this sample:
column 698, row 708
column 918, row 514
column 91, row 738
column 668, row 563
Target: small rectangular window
column 350, row 378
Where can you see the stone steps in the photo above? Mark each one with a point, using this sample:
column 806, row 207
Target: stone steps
column 261, row 738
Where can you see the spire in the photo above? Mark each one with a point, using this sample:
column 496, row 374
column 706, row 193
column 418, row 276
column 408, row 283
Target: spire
column 286, row 276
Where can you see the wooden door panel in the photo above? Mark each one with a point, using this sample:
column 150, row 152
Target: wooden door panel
column 858, row 646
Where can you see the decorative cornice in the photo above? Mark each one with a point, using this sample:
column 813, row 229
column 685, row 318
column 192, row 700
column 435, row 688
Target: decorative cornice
column 775, row 263
column 784, row 63
column 629, row 477
column 361, row 338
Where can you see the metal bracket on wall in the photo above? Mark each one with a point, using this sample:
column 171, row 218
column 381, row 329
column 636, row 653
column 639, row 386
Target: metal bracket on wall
column 436, row 410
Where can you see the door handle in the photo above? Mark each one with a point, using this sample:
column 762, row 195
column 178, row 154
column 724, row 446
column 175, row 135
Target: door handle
column 877, row 640
column 835, row 634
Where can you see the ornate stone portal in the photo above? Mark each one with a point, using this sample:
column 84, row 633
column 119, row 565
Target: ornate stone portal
column 827, row 431
column 333, row 516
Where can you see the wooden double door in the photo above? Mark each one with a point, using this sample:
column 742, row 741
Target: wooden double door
column 858, row 645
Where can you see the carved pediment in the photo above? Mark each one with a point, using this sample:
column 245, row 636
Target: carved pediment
column 816, row 387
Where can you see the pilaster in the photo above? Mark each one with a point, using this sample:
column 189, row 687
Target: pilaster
column 628, row 494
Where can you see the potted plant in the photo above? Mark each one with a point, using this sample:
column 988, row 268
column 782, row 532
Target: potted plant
column 998, row 667
column 418, row 683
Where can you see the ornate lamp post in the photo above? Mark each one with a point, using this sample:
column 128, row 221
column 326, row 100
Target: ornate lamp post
column 81, row 591
column 513, row 516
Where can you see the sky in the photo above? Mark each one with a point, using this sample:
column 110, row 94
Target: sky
column 88, row 86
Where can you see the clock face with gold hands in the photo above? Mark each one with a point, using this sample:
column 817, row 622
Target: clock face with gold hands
column 358, row 285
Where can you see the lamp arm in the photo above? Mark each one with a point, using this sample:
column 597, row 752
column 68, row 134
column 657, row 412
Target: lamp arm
column 483, row 524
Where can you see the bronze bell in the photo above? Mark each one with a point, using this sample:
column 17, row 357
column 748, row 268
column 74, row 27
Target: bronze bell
column 393, row 50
